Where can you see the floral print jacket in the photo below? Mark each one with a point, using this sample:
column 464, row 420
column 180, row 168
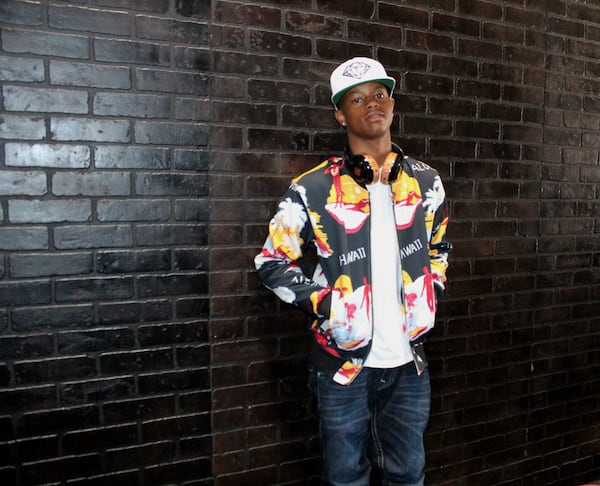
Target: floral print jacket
column 327, row 208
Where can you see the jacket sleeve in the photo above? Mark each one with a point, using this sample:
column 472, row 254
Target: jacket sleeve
column 290, row 233
column 439, row 247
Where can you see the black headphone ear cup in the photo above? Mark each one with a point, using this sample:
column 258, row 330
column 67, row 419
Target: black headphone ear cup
column 364, row 168
column 392, row 166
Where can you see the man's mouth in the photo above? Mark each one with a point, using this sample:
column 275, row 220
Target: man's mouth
column 375, row 116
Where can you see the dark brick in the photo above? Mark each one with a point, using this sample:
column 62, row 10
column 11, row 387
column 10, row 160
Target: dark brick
column 191, row 259
column 188, row 470
column 173, row 381
column 155, row 6
column 133, row 210
column 227, row 36
column 123, row 362
column 54, row 369
column 21, row 13
column 359, row 30
column 91, row 184
column 192, row 109
column 169, row 81
column 192, row 308
column 459, row 24
column 196, row 160
column 45, row 265
column 42, row 211
column 261, row 89
column 140, row 106
column 93, row 130
column 44, row 43
column 431, row 42
column 19, row 183
column 278, row 139
column 78, row 237
column 79, row 466
column 429, row 84
column 261, row 40
column 55, row 317
column 244, row 113
column 244, row 14
column 179, row 234
column 104, row 288
column 3, row 320
column 27, row 399
column 356, row 9
column 37, row 448
column 164, row 334
column 5, row 378
column 131, row 52
column 32, row 346
column 88, row 19
column 120, row 477
column 194, row 8
column 296, row 116
column 171, row 133
column 177, row 284
column 47, row 155
column 21, row 69
column 92, row 440
column 89, row 75
column 26, row 292
column 22, row 128
column 450, row 65
column 119, row 313
column 156, row 310
column 151, row 453
column 226, row 87
column 156, row 28
column 124, row 411
column 132, row 157
column 172, row 184
column 191, row 210
column 137, row 261
column 252, row 64
column 79, row 342
column 313, row 24
column 339, row 49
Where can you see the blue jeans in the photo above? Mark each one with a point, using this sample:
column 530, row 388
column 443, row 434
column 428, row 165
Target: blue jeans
column 382, row 410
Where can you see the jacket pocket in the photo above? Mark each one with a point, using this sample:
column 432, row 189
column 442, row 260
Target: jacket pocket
column 349, row 321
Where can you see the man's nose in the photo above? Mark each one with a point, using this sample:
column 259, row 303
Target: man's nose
column 372, row 101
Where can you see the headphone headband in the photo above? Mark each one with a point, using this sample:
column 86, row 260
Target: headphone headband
column 365, row 169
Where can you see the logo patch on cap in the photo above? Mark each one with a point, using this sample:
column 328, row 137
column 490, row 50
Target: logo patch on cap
column 356, row 70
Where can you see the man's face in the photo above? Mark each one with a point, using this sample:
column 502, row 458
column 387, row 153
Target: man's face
column 366, row 111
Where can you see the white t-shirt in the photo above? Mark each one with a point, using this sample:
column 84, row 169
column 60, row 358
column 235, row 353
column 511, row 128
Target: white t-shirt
column 391, row 345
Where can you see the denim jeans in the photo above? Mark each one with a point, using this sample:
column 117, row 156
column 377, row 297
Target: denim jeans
column 384, row 411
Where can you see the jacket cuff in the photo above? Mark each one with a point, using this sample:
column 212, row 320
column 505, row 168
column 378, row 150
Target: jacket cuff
column 324, row 303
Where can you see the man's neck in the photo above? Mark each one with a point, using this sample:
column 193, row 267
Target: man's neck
column 376, row 148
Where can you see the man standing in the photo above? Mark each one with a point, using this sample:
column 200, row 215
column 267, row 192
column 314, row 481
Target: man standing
column 378, row 221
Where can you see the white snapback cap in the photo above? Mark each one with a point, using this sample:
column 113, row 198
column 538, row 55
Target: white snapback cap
column 355, row 71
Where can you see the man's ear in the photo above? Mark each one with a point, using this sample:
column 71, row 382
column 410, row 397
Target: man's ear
column 339, row 116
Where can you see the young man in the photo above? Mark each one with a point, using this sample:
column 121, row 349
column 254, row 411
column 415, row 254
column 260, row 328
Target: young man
column 378, row 221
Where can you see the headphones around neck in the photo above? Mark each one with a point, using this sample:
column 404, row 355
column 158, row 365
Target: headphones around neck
column 366, row 170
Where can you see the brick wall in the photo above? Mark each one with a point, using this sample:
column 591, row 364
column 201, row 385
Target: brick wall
column 143, row 146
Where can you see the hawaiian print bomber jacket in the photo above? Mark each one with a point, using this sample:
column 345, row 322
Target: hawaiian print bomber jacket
column 326, row 207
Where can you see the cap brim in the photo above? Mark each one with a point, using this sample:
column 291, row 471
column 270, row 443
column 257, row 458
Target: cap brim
column 389, row 83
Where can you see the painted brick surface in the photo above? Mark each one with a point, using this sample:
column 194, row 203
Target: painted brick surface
column 143, row 147
column 103, row 244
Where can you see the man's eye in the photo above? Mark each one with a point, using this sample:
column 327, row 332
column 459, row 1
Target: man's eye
column 356, row 100
column 379, row 96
